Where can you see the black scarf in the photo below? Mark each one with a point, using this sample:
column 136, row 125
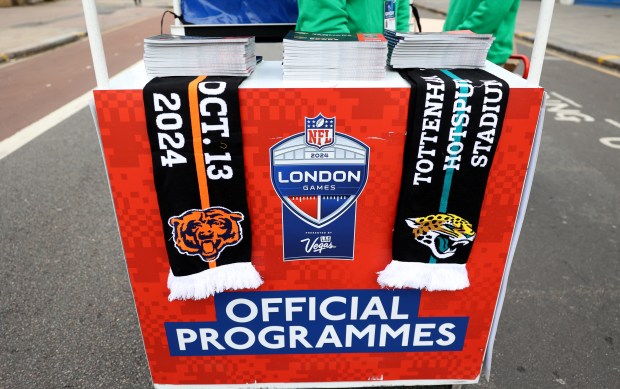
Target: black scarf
column 194, row 129
column 454, row 126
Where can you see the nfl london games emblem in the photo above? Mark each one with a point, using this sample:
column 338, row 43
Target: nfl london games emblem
column 318, row 175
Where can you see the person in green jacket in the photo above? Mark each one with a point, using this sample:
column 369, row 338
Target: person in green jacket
column 495, row 17
column 349, row 16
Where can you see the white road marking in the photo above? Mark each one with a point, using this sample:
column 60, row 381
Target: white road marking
column 566, row 110
column 131, row 78
column 610, row 141
column 559, row 96
column 613, row 123
column 26, row 134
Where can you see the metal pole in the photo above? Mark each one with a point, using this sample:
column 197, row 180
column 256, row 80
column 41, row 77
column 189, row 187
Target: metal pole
column 96, row 44
column 176, row 8
column 540, row 41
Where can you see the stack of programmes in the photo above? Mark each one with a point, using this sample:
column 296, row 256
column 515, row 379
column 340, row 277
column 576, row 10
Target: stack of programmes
column 437, row 50
column 322, row 56
column 213, row 56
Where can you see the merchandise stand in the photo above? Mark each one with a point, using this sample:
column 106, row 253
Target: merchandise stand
column 319, row 322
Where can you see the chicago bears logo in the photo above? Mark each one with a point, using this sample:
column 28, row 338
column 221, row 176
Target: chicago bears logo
column 206, row 232
column 443, row 233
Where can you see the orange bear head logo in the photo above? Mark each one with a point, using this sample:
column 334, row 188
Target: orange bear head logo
column 206, row 232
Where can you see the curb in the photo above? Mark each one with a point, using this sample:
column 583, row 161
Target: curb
column 572, row 52
column 528, row 37
column 41, row 47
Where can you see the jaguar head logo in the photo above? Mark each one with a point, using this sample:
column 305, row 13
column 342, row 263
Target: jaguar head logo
column 443, row 233
column 206, row 232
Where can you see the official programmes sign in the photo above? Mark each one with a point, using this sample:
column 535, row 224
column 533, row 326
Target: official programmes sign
column 317, row 322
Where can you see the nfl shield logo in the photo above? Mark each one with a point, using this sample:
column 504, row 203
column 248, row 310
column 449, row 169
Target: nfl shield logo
column 320, row 131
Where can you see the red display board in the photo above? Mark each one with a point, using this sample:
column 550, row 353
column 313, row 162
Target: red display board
column 314, row 322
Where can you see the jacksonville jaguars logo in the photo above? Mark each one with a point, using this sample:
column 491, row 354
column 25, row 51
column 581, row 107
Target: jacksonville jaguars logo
column 206, row 232
column 443, row 233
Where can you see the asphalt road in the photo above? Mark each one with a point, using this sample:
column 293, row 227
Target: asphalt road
column 560, row 325
column 54, row 78
column 67, row 318
column 66, row 310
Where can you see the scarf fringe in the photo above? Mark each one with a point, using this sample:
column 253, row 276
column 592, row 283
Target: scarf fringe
column 201, row 285
column 429, row 276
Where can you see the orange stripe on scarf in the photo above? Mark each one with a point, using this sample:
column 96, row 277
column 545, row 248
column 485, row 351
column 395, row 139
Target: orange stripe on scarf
column 201, row 172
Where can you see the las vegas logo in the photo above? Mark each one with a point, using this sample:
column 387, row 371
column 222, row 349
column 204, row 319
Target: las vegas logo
column 319, row 173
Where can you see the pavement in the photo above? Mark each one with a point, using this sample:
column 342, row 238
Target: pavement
column 586, row 32
column 30, row 29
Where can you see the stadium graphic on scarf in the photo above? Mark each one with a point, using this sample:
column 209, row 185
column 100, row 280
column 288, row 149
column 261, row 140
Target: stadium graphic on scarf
column 319, row 174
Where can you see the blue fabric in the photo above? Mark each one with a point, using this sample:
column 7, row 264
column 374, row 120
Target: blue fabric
column 239, row 11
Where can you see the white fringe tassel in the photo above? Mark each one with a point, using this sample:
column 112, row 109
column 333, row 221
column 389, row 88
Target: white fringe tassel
column 201, row 285
column 429, row 276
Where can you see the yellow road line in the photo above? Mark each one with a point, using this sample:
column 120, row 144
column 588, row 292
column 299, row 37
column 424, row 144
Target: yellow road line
column 578, row 61
column 604, row 58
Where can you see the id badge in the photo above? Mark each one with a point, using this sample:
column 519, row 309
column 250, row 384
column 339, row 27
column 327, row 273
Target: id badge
column 389, row 19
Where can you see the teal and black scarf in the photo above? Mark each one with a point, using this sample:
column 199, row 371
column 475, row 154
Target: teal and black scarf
column 454, row 125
